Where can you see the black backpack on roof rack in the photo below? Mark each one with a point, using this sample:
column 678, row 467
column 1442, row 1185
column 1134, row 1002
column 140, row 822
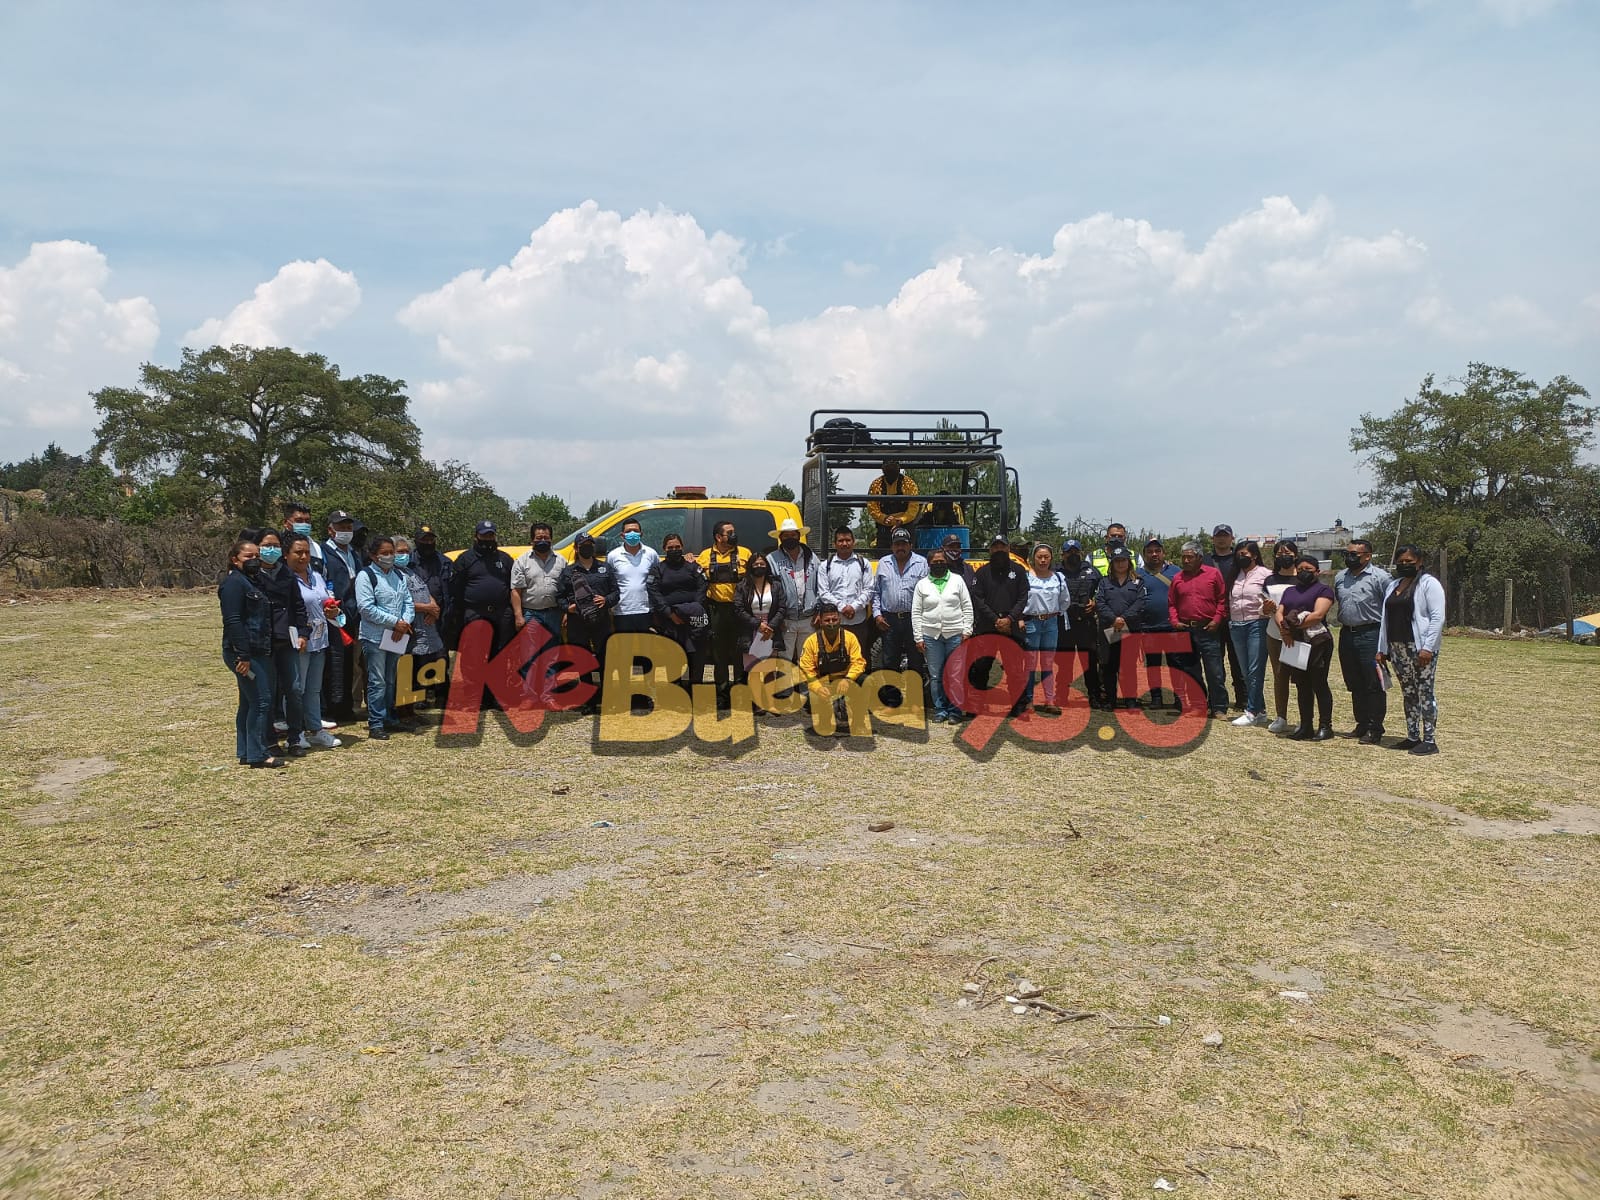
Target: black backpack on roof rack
column 841, row 433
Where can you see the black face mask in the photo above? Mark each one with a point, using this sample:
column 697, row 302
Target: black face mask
column 251, row 566
column 999, row 558
column 488, row 545
column 674, row 557
column 757, row 568
column 938, row 570
column 586, row 549
column 542, row 545
column 1072, row 560
column 1285, row 563
column 733, row 538
column 1306, row 578
column 1353, row 561
column 1406, row 570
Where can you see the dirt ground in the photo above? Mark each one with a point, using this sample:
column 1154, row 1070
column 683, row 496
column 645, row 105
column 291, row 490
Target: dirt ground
column 515, row 967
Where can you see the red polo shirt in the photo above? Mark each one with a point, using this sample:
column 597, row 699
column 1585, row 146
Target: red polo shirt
column 1202, row 596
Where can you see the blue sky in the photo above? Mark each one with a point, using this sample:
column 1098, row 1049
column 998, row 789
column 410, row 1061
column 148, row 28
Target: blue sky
column 892, row 184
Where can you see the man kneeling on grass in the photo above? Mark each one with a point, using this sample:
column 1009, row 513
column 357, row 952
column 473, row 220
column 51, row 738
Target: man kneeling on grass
column 831, row 663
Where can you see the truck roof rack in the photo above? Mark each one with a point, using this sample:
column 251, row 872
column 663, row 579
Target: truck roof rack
column 864, row 437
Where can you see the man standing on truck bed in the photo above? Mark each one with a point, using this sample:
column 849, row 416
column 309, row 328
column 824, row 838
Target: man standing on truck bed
column 724, row 563
column 889, row 513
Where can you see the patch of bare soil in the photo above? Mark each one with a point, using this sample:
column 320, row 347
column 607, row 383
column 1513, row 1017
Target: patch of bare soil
column 1570, row 818
column 62, row 784
column 1480, row 1038
column 389, row 917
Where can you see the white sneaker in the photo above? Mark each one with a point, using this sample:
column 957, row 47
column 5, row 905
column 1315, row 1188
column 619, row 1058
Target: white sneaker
column 1278, row 726
column 281, row 726
column 1248, row 719
column 300, row 743
column 325, row 739
column 330, row 724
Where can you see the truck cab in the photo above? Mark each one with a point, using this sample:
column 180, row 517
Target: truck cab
column 690, row 514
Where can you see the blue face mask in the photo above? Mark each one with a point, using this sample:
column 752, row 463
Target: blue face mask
column 302, row 527
column 402, row 560
column 631, row 538
column 271, row 554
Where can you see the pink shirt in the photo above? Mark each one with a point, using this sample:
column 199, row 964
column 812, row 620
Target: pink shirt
column 1247, row 593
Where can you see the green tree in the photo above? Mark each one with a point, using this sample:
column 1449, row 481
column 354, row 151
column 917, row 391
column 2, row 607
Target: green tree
column 247, row 427
column 1486, row 468
column 781, row 491
column 449, row 496
column 1046, row 525
column 598, row 508
column 543, row 506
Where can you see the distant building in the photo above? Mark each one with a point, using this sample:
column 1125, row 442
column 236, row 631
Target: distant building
column 1323, row 542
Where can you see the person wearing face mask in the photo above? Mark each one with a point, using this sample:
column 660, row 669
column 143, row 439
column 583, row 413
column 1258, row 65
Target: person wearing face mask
column 941, row 618
column 1041, row 627
column 289, row 626
column 762, row 610
column 383, row 597
column 830, row 660
column 999, row 602
column 433, row 568
column 724, row 563
column 1247, row 629
column 247, row 649
column 311, row 655
column 1303, row 616
column 480, row 590
column 536, row 582
column 794, row 568
column 891, row 511
column 1119, row 604
column 1080, row 625
column 1280, row 581
column 955, row 559
column 341, row 562
column 845, row 581
column 632, row 563
column 678, row 604
column 427, row 642
column 297, row 519
column 588, row 594
column 1408, row 636
column 1224, row 557
column 1361, row 588
column 1116, row 535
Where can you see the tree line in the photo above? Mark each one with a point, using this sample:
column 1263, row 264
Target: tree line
column 1489, row 473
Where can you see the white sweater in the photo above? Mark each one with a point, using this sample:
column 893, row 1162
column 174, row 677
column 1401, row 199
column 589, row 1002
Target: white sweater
column 936, row 614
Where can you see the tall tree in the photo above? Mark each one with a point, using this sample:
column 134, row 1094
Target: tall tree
column 249, row 427
column 781, row 491
column 1046, row 525
column 545, row 506
column 449, row 496
column 1486, row 468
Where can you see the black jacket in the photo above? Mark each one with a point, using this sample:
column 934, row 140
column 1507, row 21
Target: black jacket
column 246, row 618
column 749, row 622
column 283, row 594
column 480, row 584
column 341, row 581
column 1228, row 564
column 579, row 584
column 1081, row 587
column 999, row 592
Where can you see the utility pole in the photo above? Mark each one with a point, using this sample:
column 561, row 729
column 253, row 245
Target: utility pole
column 1566, row 587
column 1506, row 627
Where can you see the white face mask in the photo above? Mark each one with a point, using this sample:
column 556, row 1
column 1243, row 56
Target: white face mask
column 343, row 537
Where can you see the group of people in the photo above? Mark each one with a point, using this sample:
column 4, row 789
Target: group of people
column 290, row 603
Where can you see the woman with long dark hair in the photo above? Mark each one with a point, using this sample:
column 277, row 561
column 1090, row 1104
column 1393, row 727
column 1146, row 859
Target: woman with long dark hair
column 1302, row 618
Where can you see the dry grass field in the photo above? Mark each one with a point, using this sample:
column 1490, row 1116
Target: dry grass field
column 416, row 970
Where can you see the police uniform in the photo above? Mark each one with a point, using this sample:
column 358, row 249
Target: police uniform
column 480, row 590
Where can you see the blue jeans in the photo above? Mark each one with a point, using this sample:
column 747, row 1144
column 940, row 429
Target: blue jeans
column 1206, row 652
column 1250, row 646
column 283, row 689
column 550, row 619
column 1041, row 636
column 938, row 652
column 382, row 672
column 308, row 668
column 254, row 718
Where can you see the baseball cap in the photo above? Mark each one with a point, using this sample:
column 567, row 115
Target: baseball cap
column 900, row 534
column 484, row 527
column 1072, row 544
column 1227, row 529
column 338, row 515
column 1120, row 552
column 998, row 540
column 1155, row 541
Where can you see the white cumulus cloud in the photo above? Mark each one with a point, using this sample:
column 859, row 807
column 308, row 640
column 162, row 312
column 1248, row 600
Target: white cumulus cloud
column 640, row 332
column 300, row 301
column 61, row 339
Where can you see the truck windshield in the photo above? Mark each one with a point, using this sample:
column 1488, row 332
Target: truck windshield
column 587, row 527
